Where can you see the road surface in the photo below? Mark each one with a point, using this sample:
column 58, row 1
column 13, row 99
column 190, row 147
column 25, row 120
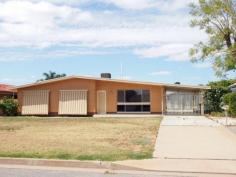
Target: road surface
column 37, row 171
column 26, row 172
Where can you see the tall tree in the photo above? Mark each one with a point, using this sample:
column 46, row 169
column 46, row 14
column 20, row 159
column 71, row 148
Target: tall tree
column 218, row 19
column 51, row 75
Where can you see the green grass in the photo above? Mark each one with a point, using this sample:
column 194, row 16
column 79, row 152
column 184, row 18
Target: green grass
column 106, row 139
column 69, row 156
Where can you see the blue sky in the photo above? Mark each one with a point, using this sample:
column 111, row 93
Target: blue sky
column 149, row 38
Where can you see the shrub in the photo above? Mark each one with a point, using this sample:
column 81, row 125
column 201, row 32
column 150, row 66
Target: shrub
column 232, row 105
column 226, row 98
column 9, row 107
column 213, row 99
column 230, row 100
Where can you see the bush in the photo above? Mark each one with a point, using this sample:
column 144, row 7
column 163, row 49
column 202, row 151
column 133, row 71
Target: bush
column 213, row 99
column 226, row 98
column 230, row 100
column 232, row 105
column 9, row 107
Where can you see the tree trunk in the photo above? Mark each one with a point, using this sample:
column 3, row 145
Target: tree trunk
column 228, row 40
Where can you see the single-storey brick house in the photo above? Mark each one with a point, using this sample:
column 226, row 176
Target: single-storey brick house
column 76, row 95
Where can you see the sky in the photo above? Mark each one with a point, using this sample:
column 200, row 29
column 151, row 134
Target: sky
column 143, row 40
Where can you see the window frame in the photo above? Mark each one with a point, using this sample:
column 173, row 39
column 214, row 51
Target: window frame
column 142, row 103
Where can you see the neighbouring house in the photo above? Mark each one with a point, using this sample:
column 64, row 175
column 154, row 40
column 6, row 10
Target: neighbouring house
column 77, row 95
column 7, row 91
column 233, row 87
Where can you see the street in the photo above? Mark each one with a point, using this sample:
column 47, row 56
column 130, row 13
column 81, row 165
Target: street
column 37, row 171
column 27, row 172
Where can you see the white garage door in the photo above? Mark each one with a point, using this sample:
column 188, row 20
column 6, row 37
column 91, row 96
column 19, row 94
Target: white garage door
column 35, row 102
column 73, row 102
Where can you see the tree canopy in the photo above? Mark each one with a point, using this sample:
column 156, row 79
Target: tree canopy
column 221, row 84
column 218, row 19
column 51, row 75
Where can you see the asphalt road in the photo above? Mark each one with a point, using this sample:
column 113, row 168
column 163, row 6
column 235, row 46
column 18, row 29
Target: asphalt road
column 34, row 171
column 20, row 172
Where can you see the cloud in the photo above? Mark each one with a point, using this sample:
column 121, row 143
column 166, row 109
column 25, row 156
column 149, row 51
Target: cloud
column 132, row 4
column 43, row 24
column 173, row 5
column 15, row 55
column 173, row 52
column 160, row 5
column 160, row 73
column 36, row 24
column 163, row 6
column 57, row 2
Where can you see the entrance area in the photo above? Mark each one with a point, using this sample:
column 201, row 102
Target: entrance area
column 180, row 102
column 101, row 102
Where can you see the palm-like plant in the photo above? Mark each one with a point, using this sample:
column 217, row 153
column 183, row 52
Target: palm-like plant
column 51, row 75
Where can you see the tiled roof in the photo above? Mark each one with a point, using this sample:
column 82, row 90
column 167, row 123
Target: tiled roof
column 6, row 88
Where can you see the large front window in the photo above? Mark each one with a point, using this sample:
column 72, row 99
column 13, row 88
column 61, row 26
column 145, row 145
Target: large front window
column 133, row 101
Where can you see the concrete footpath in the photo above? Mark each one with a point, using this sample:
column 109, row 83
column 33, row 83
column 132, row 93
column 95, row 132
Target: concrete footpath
column 99, row 165
column 184, row 165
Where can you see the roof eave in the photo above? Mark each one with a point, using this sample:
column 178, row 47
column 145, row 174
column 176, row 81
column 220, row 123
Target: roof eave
column 113, row 80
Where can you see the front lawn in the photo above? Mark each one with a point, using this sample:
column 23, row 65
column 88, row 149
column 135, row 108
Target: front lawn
column 107, row 139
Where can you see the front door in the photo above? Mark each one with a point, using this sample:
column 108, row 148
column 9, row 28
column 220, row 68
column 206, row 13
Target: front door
column 101, row 102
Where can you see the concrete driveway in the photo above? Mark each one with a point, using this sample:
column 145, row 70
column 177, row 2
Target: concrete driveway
column 192, row 144
column 194, row 137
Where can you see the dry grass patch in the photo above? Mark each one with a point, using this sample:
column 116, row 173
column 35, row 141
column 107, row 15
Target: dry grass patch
column 81, row 138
